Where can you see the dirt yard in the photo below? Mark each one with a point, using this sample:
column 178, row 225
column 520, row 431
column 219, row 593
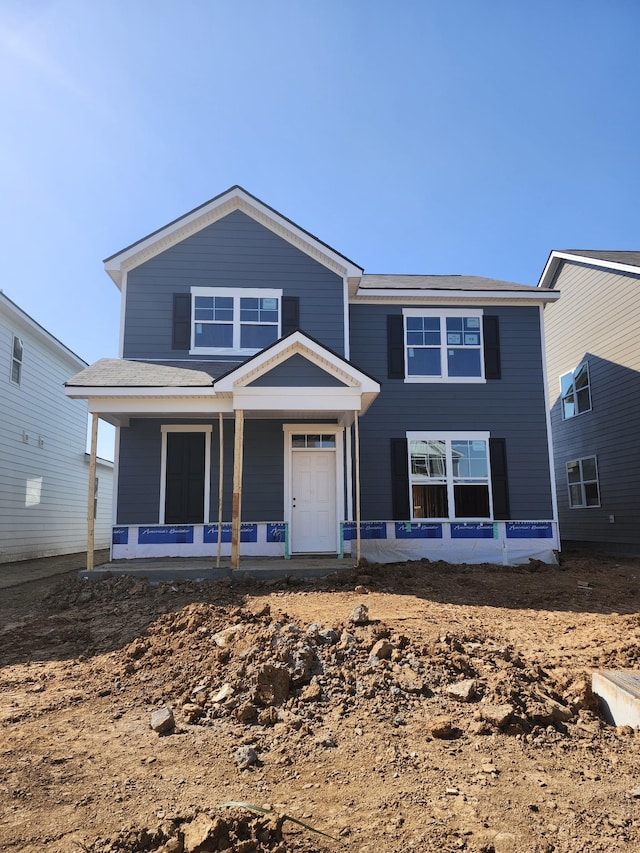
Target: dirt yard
column 416, row 707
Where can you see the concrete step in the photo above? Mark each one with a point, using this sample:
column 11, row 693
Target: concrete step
column 619, row 694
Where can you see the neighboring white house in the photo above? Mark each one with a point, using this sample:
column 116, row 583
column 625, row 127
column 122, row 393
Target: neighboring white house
column 44, row 467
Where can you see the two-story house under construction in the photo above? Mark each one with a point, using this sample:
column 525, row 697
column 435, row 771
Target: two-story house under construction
column 273, row 399
column 593, row 361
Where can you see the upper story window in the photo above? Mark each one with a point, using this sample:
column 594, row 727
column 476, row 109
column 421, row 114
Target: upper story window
column 449, row 476
column 234, row 320
column 582, row 479
column 575, row 392
column 443, row 346
column 16, row 360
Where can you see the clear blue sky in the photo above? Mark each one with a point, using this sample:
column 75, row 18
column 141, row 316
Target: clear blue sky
column 441, row 136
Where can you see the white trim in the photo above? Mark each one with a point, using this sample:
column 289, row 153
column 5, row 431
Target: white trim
column 307, row 428
column 553, row 262
column 88, row 391
column 582, row 483
column 123, row 309
column 345, row 308
column 393, row 296
column 167, row 428
column 442, row 314
column 235, row 293
column 448, row 436
column 234, row 199
column 348, row 473
column 547, row 406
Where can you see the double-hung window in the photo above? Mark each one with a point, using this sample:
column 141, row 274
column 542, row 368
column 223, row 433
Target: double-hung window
column 575, row 392
column 443, row 346
column 449, row 475
column 234, row 320
column 582, row 479
column 16, row 360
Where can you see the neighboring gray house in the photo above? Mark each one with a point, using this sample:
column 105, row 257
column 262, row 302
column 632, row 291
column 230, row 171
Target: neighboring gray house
column 593, row 365
column 44, row 467
column 273, row 399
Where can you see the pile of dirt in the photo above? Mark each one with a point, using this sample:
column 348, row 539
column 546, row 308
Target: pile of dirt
column 418, row 706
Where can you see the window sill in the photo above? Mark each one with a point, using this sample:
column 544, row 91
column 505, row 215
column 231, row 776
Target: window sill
column 245, row 353
column 445, row 380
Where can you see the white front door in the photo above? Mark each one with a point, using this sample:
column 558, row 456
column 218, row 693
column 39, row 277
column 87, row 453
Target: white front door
column 313, row 501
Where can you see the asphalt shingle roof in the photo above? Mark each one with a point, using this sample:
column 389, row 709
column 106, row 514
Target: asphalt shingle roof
column 119, row 372
column 436, row 282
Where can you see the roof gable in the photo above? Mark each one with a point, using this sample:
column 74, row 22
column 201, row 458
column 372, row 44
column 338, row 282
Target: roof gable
column 235, row 198
column 295, row 344
column 618, row 261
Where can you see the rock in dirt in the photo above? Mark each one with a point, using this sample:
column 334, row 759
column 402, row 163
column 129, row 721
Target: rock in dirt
column 463, row 691
column 497, row 715
column 272, row 684
column 359, row 615
column 245, row 756
column 441, row 728
column 162, row 721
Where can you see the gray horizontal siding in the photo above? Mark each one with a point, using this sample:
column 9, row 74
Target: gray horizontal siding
column 233, row 252
column 297, row 371
column 512, row 408
column 596, row 319
column 263, row 464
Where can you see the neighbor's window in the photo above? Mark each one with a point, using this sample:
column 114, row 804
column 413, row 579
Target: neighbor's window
column 582, row 479
column 575, row 392
column 449, row 477
column 241, row 320
column 16, row 361
column 443, row 345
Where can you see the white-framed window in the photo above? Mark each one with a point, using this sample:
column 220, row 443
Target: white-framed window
column 17, row 352
column 449, row 475
column 229, row 321
column 575, row 391
column 582, row 482
column 443, row 345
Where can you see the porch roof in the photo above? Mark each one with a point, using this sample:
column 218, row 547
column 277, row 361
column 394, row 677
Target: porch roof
column 121, row 389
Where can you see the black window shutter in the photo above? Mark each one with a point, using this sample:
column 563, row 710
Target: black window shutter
column 400, row 480
column 395, row 346
column 499, row 478
column 181, row 321
column 290, row 314
column 491, row 335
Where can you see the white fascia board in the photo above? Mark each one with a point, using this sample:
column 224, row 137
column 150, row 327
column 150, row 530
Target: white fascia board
column 296, row 344
column 84, row 391
column 297, row 399
column 392, row 296
column 556, row 257
column 201, row 217
column 173, row 406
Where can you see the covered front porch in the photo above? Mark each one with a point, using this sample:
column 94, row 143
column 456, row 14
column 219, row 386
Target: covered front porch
column 184, row 488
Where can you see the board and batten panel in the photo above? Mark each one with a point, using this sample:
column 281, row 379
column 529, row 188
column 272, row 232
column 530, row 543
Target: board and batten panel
column 237, row 252
column 512, row 408
column 44, row 468
column 596, row 320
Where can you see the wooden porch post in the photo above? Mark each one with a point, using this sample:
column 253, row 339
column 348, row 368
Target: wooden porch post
column 220, row 487
column 237, row 490
column 91, row 519
column 357, row 472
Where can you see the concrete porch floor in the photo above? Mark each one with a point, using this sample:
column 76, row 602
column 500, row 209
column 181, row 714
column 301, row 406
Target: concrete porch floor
column 165, row 569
